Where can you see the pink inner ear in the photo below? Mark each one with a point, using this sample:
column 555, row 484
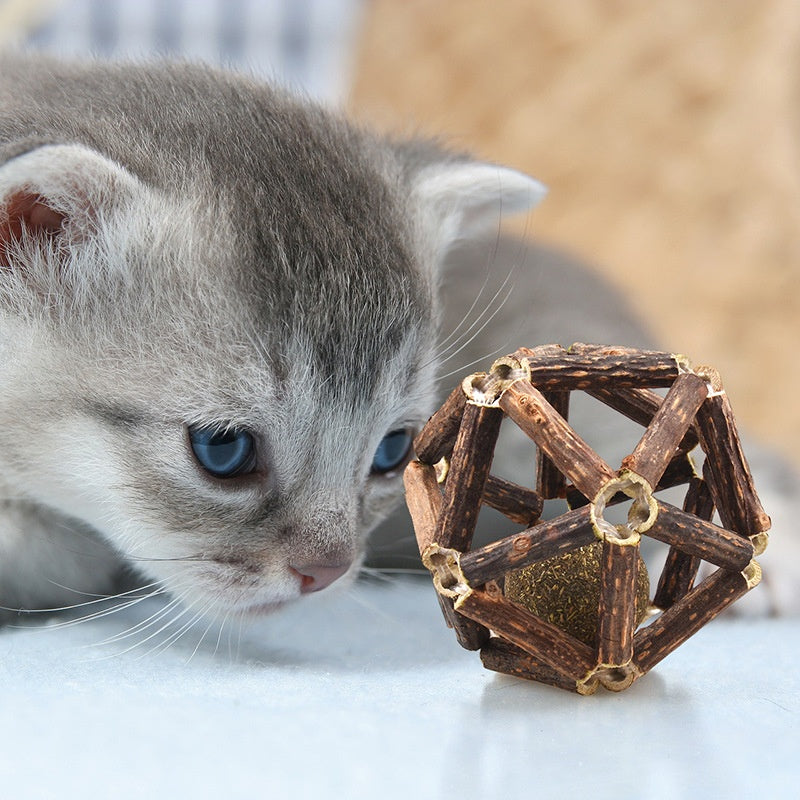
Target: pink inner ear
column 26, row 211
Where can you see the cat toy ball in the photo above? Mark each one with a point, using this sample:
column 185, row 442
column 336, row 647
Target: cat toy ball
column 565, row 601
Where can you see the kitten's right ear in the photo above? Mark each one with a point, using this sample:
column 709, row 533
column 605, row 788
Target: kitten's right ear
column 51, row 199
column 462, row 199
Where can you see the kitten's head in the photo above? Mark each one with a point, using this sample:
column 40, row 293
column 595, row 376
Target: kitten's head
column 220, row 330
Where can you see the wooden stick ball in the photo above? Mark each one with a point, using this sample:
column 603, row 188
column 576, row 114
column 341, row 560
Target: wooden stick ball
column 565, row 601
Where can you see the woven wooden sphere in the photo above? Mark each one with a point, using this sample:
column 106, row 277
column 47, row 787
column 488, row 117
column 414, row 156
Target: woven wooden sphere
column 565, row 600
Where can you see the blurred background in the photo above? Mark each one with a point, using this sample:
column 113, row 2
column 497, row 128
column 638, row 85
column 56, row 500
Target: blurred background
column 667, row 133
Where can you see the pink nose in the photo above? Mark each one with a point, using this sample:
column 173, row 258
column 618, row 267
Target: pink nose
column 314, row 577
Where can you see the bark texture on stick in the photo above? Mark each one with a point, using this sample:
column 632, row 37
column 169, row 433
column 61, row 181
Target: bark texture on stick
column 680, row 569
column 502, row 656
column 469, row 470
column 547, row 353
column 676, row 579
column 550, row 481
column 619, row 572
column 690, row 613
column 666, row 430
column 679, row 471
column 470, row 635
column 544, row 641
column 541, row 422
column 589, row 366
column 545, row 540
column 731, row 481
column 700, row 538
column 435, row 441
column 424, row 501
column 516, row 502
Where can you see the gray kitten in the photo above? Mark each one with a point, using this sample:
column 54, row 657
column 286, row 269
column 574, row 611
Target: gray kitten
column 219, row 318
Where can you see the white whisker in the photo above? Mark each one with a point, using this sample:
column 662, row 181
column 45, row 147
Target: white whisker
column 480, row 323
column 458, row 328
column 379, row 613
column 240, row 626
column 480, row 360
column 214, row 620
column 387, row 574
column 185, row 628
column 480, row 330
column 98, row 598
column 110, row 611
column 167, row 624
column 142, row 626
column 221, row 629
column 104, row 612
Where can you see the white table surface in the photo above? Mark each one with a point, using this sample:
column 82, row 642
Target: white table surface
column 366, row 694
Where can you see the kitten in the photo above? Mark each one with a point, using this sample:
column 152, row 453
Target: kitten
column 218, row 316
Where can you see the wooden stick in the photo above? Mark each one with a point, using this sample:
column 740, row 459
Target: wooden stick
column 450, row 584
column 639, row 405
column 469, row 470
column 680, row 569
column 666, row 430
column 700, row 538
column 679, row 471
column 550, row 481
column 502, row 656
column 619, row 572
column 549, row 353
column 424, row 500
column 541, row 639
column 589, row 366
column 516, row 502
column 657, row 640
column 435, row 441
column 470, row 635
column 731, row 482
column 541, row 422
column 676, row 579
column 545, row 540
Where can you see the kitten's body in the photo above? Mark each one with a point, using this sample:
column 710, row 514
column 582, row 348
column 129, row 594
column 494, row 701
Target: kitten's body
column 179, row 248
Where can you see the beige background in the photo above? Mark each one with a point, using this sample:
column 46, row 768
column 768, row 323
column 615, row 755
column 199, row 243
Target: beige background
column 669, row 138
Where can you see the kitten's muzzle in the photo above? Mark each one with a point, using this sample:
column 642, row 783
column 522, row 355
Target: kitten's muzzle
column 315, row 577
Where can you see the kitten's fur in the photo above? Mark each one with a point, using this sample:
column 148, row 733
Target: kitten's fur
column 182, row 246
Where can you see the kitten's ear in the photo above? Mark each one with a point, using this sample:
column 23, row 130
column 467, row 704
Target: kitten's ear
column 464, row 199
column 55, row 194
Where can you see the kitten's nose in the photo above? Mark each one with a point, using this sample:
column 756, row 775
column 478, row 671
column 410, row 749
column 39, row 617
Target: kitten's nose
column 314, row 577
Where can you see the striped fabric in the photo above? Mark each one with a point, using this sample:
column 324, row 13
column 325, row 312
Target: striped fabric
column 306, row 44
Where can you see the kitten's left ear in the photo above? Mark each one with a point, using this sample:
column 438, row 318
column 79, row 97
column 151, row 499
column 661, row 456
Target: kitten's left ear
column 465, row 199
column 56, row 192
column 25, row 210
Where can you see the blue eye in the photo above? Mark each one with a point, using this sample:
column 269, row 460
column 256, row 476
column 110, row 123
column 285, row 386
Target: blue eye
column 223, row 453
column 392, row 452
